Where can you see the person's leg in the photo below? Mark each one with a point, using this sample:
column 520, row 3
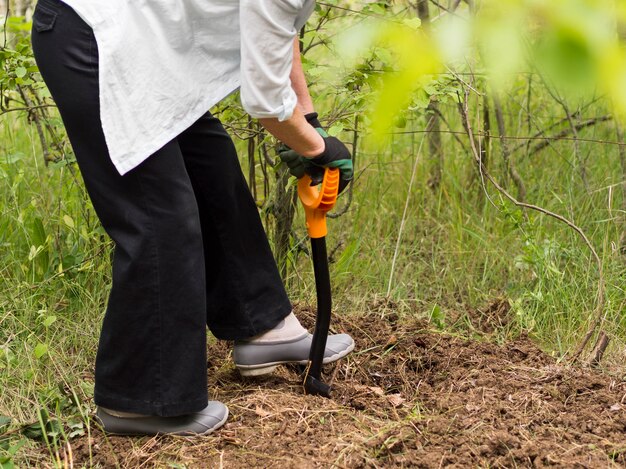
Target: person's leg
column 246, row 299
column 152, row 353
column 245, row 294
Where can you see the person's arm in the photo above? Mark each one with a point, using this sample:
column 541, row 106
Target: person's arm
column 269, row 62
column 268, row 65
column 296, row 133
column 294, row 128
column 298, row 81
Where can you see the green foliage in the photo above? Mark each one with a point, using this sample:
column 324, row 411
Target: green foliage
column 8, row 452
column 17, row 65
column 438, row 317
column 574, row 44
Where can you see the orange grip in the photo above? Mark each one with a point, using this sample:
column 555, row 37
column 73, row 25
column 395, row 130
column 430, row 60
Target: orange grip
column 318, row 202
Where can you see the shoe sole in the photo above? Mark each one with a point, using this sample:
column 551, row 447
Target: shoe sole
column 186, row 434
column 267, row 368
column 210, row 430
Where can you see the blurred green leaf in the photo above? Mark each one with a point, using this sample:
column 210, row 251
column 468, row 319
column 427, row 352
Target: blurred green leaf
column 40, row 350
column 11, row 158
column 38, row 232
column 52, row 428
column 68, row 221
column 335, row 129
column 438, row 317
column 417, row 59
column 49, row 320
column 4, row 421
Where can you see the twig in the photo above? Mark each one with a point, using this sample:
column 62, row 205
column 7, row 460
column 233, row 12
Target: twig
column 565, row 132
column 267, row 156
column 481, row 165
column 27, row 109
column 404, row 214
column 515, row 137
column 574, row 130
column 598, row 351
column 35, row 117
column 4, row 26
column 263, row 166
column 622, row 158
column 455, row 135
column 251, row 161
column 362, row 13
column 506, row 154
column 451, row 11
column 355, row 143
column 73, row 267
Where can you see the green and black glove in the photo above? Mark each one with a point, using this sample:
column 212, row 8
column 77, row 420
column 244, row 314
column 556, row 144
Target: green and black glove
column 292, row 159
column 312, row 118
column 335, row 155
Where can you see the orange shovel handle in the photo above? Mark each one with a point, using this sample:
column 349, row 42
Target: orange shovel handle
column 317, row 202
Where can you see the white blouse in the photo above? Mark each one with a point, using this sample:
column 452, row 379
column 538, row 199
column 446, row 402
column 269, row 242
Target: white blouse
column 164, row 63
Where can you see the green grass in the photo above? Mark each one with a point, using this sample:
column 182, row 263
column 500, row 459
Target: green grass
column 53, row 283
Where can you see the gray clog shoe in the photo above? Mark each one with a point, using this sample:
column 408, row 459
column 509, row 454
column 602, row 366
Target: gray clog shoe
column 255, row 359
column 203, row 422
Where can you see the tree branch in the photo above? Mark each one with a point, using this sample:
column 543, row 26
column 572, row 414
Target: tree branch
column 561, row 135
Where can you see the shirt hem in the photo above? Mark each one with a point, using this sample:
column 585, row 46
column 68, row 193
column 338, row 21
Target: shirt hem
column 124, row 164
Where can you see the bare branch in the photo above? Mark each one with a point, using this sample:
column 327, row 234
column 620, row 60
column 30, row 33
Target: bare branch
column 564, row 133
column 622, row 158
column 506, row 155
column 35, row 118
column 26, row 109
column 355, row 143
column 598, row 351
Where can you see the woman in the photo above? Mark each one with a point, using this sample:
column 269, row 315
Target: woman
column 133, row 81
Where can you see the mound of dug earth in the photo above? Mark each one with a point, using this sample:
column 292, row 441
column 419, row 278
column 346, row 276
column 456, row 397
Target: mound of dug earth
column 408, row 397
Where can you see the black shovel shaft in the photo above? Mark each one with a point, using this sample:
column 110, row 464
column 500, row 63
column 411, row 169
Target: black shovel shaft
column 313, row 384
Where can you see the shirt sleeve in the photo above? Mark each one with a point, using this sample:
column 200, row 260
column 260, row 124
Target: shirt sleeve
column 268, row 28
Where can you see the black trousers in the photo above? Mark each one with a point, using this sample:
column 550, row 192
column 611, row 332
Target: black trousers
column 190, row 249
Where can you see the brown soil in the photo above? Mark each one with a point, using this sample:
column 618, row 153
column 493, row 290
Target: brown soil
column 408, row 396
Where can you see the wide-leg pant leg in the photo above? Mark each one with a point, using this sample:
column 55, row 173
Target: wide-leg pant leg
column 245, row 294
column 152, row 353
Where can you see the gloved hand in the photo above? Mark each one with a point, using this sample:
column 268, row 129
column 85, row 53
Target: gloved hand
column 296, row 164
column 335, row 155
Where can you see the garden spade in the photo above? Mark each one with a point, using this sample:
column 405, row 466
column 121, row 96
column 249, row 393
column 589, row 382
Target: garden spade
column 318, row 201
